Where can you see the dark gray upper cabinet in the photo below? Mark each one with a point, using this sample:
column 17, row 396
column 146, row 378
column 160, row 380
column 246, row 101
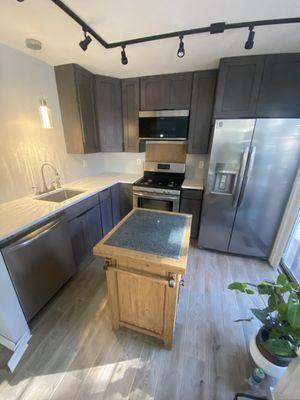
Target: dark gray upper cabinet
column 164, row 92
column 109, row 113
column 75, row 87
column 130, row 108
column 280, row 89
column 238, row 86
column 203, row 92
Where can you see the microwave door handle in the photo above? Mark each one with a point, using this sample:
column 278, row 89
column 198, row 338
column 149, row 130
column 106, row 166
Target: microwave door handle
column 247, row 175
column 240, row 177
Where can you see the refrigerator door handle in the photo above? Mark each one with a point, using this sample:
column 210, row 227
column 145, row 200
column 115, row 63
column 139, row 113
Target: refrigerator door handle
column 247, row 175
column 240, row 177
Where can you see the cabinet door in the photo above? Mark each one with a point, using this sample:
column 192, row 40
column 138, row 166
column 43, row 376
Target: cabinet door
column 109, row 113
column 130, row 108
column 78, row 240
column 238, row 86
column 106, row 211
column 280, row 90
column 115, row 201
column 204, row 83
column 192, row 206
column 76, row 99
column 179, row 91
column 85, row 90
column 125, row 199
column 163, row 92
column 93, row 227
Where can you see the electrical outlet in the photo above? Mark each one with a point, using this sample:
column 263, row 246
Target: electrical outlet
column 138, row 161
column 84, row 163
column 201, row 164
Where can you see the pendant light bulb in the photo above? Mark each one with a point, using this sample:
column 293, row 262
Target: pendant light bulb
column 181, row 51
column 86, row 41
column 124, row 59
column 250, row 41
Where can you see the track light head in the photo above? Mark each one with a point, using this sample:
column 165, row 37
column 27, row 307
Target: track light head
column 181, row 51
column 250, row 41
column 124, row 59
column 86, row 41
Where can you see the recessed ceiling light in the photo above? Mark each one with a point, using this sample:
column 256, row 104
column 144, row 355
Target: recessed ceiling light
column 33, row 44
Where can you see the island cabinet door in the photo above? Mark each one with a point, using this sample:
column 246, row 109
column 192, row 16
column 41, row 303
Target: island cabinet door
column 145, row 303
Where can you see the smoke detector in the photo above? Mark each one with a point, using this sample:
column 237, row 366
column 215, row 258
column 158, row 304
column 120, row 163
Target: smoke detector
column 33, row 44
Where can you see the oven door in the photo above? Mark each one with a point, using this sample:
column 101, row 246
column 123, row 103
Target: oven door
column 156, row 201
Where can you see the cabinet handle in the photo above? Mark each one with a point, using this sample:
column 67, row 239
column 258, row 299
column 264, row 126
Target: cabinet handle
column 181, row 282
column 106, row 265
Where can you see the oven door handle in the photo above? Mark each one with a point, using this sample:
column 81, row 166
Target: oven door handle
column 151, row 196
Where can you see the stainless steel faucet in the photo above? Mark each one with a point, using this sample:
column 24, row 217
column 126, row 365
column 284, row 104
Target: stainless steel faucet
column 54, row 184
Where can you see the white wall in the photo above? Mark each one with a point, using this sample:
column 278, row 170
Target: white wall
column 24, row 144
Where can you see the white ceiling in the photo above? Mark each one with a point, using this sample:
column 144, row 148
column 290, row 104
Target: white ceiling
column 126, row 19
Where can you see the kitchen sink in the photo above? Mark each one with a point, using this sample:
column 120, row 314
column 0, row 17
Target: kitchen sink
column 59, row 195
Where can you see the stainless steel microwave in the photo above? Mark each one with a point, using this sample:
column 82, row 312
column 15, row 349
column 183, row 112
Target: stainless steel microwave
column 164, row 125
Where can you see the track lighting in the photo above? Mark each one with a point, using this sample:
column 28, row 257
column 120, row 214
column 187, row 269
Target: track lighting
column 250, row 42
column 181, row 51
column 124, row 59
column 86, row 41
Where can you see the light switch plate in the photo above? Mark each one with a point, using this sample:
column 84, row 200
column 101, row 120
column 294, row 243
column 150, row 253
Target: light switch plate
column 84, row 163
column 138, row 161
column 201, row 164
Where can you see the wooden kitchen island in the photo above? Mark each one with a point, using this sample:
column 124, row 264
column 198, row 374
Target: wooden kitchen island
column 146, row 257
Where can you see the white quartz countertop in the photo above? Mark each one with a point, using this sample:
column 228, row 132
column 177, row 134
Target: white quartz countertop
column 193, row 184
column 18, row 215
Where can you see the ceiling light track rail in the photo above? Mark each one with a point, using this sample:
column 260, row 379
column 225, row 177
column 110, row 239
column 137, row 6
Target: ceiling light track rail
column 218, row 27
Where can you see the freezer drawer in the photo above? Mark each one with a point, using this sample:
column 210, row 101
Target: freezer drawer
column 39, row 264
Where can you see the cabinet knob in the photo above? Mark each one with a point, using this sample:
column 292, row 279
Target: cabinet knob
column 182, row 282
column 172, row 280
column 106, row 265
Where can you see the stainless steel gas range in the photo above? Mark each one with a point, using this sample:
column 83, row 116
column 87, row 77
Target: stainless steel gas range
column 160, row 186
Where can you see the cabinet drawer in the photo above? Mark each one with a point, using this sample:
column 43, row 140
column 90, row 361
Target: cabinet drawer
column 79, row 208
column 191, row 194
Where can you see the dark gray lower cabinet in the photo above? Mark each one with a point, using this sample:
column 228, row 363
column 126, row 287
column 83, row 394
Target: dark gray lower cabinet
column 106, row 211
column 126, row 203
column 85, row 230
column 115, row 202
column 190, row 203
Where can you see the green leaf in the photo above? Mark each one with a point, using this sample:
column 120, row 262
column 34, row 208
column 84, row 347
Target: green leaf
column 244, row 319
column 282, row 280
column 262, row 315
column 279, row 347
column 294, row 311
column 283, row 308
column 238, row 286
column 265, row 288
column 249, row 291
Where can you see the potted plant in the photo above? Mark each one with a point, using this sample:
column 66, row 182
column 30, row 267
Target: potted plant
column 278, row 339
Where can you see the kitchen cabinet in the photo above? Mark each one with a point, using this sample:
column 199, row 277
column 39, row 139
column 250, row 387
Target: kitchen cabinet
column 115, row 202
column 109, row 113
column 280, row 88
column 203, row 92
column 126, row 199
column 85, row 231
column 190, row 203
column 106, row 211
column 75, row 87
column 164, row 92
column 238, row 87
column 130, row 108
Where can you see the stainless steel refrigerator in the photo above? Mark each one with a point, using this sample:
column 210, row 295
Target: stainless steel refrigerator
column 252, row 166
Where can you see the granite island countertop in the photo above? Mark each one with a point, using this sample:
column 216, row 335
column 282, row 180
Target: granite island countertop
column 154, row 237
column 21, row 214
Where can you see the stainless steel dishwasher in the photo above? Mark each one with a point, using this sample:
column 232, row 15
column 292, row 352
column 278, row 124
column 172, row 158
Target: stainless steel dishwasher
column 39, row 263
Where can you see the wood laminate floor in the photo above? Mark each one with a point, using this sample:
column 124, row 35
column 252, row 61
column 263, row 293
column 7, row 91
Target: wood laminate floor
column 74, row 353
